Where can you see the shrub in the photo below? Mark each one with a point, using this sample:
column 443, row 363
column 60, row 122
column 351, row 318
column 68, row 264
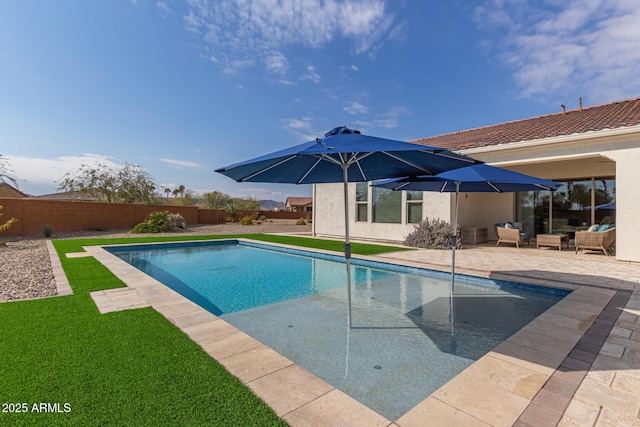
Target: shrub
column 47, row 231
column 158, row 222
column 246, row 220
column 233, row 209
column 145, row 227
column 301, row 221
column 434, row 234
column 8, row 223
column 177, row 221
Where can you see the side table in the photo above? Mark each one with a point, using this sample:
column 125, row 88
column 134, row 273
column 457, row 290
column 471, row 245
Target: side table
column 474, row 235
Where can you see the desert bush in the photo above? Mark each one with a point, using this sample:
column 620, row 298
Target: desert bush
column 246, row 220
column 158, row 222
column 434, row 234
column 301, row 221
column 233, row 209
column 177, row 221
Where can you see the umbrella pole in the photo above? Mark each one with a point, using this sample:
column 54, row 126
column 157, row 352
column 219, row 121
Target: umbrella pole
column 454, row 243
column 347, row 245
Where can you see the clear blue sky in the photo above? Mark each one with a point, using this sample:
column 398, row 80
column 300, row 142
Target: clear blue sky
column 181, row 87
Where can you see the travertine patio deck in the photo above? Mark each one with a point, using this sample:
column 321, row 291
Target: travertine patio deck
column 578, row 364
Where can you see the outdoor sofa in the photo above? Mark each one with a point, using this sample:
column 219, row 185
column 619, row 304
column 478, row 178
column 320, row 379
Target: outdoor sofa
column 599, row 240
column 510, row 233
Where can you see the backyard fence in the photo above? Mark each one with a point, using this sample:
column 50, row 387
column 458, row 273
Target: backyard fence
column 61, row 216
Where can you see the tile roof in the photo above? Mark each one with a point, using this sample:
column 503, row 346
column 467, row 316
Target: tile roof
column 608, row 116
column 299, row 201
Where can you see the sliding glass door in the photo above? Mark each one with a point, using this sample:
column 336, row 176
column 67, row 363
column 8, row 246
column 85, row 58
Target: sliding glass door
column 574, row 206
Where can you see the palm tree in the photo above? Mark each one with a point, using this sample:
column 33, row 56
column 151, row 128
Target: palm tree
column 167, row 191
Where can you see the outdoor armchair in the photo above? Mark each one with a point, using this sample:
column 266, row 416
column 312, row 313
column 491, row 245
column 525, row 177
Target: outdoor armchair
column 510, row 235
column 598, row 240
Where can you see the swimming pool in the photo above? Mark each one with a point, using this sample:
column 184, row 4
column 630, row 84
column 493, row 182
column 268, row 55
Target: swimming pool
column 403, row 345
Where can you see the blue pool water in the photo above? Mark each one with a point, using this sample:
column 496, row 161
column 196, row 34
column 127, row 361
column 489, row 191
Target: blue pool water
column 403, row 345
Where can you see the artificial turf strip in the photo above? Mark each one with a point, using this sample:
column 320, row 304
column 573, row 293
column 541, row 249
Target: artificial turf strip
column 76, row 245
column 124, row 368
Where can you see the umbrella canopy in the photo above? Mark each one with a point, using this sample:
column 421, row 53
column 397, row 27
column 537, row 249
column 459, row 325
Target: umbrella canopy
column 470, row 179
column 345, row 155
column 367, row 158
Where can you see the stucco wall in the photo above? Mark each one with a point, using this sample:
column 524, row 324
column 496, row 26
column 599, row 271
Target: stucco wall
column 627, row 204
column 598, row 154
column 329, row 215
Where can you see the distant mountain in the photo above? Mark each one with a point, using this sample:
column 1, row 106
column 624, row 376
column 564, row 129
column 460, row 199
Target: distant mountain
column 270, row 205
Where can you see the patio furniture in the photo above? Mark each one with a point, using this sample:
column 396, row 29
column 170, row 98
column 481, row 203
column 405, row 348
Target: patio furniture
column 552, row 240
column 474, row 235
column 599, row 240
column 510, row 235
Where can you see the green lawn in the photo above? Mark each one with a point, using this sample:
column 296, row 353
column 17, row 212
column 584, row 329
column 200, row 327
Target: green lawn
column 124, row 368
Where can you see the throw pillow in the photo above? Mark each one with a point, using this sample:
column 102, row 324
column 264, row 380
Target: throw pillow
column 594, row 227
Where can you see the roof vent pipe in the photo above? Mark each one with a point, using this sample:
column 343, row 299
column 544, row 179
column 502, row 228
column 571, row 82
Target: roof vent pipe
column 581, row 104
column 564, row 110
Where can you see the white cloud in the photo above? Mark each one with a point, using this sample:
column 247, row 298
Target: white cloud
column 303, row 128
column 181, row 163
column 391, row 118
column 356, row 108
column 164, row 8
column 355, row 68
column 311, row 75
column 41, row 176
column 237, row 32
column 276, row 63
column 575, row 48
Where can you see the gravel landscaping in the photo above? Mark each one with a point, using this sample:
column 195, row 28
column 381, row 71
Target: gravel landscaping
column 25, row 267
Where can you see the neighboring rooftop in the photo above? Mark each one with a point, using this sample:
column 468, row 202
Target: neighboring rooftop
column 9, row 191
column 608, row 116
column 299, row 201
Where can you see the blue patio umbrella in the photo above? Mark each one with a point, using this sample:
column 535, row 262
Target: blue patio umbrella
column 471, row 179
column 345, row 155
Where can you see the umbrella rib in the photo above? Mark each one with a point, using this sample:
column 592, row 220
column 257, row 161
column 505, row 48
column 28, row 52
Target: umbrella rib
column 444, row 187
column 328, row 158
column 354, row 158
column 494, row 187
column 401, row 186
column 449, row 156
column 267, row 168
column 361, row 171
column 544, row 187
column 309, row 171
column 406, row 162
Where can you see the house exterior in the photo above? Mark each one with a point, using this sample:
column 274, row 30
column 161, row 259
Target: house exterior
column 593, row 151
column 299, row 204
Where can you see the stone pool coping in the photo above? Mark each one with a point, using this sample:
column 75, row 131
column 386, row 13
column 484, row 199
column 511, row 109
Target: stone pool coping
column 515, row 384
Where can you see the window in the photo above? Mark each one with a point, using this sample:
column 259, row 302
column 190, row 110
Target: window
column 414, row 207
column 362, row 201
column 387, row 205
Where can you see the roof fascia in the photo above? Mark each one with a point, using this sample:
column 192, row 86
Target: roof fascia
column 555, row 140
